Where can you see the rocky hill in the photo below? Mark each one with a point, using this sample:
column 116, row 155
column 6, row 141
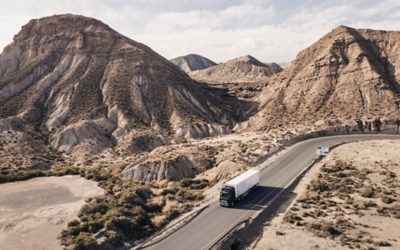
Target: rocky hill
column 72, row 84
column 239, row 70
column 192, row 62
column 72, row 89
column 348, row 77
column 242, row 77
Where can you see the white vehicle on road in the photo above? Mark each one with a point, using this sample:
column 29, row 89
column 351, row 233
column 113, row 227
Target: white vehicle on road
column 239, row 187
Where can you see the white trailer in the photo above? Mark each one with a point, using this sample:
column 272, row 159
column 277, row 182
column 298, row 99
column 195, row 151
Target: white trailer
column 239, row 187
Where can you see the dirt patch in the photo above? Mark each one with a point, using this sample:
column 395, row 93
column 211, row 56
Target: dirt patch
column 33, row 212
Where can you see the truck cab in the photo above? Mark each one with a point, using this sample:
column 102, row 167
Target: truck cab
column 227, row 196
column 237, row 188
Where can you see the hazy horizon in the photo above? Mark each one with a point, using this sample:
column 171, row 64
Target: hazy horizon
column 270, row 31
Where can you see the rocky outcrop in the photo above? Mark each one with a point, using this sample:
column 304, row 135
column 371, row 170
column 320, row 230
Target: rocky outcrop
column 82, row 87
column 170, row 164
column 201, row 130
column 349, row 76
column 192, row 62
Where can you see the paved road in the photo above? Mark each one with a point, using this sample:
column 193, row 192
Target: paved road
column 215, row 221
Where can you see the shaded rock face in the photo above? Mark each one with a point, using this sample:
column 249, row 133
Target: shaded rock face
column 71, row 82
column 172, row 170
column 192, row 62
column 239, row 70
column 172, row 165
column 349, row 76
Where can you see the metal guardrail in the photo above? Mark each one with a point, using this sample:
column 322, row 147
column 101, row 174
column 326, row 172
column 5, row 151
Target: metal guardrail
column 229, row 232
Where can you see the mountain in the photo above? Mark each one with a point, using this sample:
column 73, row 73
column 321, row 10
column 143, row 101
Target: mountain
column 71, row 84
column 349, row 77
column 238, row 70
column 192, row 62
column 283, row 64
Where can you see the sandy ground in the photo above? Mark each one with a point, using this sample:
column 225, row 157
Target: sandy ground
column 369, row 229
column 33, row 212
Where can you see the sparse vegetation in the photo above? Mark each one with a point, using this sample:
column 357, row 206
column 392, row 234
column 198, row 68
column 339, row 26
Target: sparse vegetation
column 341, row 191
column 325, row 229
column 11, row 175
column 292, row 217
column 387, row 199
column 124, row 213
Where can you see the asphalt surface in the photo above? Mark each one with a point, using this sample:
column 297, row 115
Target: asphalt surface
column 216, row 221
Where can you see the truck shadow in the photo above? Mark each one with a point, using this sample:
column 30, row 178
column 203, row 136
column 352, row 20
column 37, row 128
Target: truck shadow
column 251, row 230
column 258, row 198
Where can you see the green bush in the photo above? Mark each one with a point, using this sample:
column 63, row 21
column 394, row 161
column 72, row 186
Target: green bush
column 387, row 199
column 291, row 217
column 84, row 241
column 73, row 223
column 194, row 183
column 154, row 208
column 167, row 191
column 325, row 229
column 331, row 230
column 318, row 185
column 93, row 207
column 114, row 238
column 172, row 214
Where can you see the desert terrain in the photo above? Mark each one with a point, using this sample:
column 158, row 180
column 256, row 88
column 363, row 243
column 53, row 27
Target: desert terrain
column 349, row 200
column 76, row 95
column 34, row 212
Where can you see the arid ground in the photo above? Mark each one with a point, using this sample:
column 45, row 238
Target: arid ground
column 349, row 200
column 33, row 212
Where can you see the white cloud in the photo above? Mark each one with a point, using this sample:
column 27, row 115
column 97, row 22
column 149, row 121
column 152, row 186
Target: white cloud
column 220, row 30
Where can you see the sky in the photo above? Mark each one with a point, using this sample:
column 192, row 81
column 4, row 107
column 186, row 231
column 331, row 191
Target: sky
column 272, row 31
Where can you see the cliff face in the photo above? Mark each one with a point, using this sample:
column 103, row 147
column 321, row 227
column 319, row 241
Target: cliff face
column 349, row 76
column 72, row 84
column 192, row 62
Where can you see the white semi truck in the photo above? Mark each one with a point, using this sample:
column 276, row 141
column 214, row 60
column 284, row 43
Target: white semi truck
column 239, row 187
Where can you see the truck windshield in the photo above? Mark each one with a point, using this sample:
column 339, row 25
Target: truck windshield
column 227, row 193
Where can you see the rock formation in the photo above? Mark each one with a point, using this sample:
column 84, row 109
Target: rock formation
column 192, row 62
column 242, row 77
column 346, row 82
column 72, row 84
column 72, row 89
column 239, row 70
column 348, row 77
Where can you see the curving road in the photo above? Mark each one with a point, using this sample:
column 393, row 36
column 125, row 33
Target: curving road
column 215, row 221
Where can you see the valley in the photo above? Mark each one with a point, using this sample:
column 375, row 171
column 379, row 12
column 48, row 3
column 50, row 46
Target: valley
column 160, row 137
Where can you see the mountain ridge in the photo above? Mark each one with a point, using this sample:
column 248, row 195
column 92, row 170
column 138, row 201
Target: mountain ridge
column 349, row 76
column 238, row 70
